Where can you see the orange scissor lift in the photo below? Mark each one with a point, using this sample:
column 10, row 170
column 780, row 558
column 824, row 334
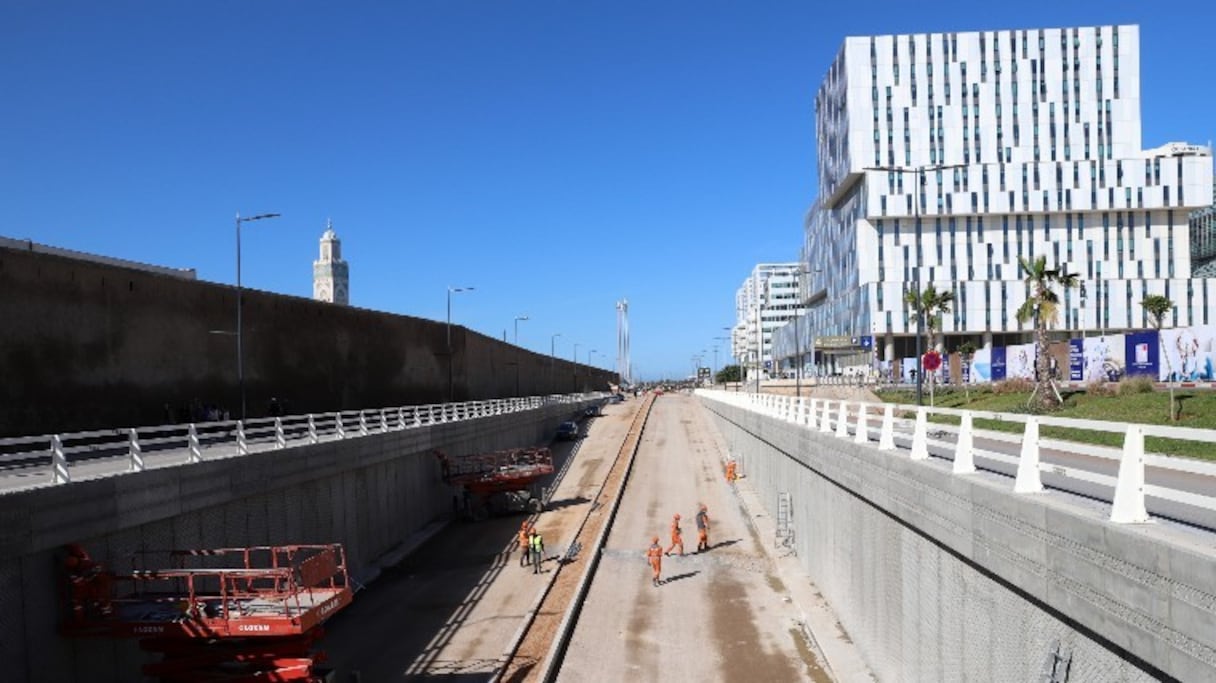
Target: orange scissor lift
column 230, row 615
column 499, row 481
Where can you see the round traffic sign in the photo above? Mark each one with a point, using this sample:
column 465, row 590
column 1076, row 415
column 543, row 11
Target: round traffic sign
column 932, row 361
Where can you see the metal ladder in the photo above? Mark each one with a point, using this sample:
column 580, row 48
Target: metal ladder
column 785, row 524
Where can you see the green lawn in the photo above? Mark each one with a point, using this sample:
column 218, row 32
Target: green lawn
column 1198, row 411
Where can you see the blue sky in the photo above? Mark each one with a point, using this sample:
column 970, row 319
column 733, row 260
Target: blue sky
column 557, row 156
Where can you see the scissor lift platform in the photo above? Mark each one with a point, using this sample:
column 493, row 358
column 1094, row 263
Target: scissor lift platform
column 238, row 615
column 499, row 481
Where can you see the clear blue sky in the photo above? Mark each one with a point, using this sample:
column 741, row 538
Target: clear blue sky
column 557, row 156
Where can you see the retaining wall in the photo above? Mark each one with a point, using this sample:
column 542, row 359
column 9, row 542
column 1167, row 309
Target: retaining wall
column 89, row 345
column 939, row 577
column 369, row 493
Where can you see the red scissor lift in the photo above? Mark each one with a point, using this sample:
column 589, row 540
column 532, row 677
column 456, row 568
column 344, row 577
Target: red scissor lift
column 499, row 481
column 243, row 615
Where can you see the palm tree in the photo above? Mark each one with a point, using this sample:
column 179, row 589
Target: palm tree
column 928, row 304
column 966, row 350
column 1157, row 306
column 1043, row 306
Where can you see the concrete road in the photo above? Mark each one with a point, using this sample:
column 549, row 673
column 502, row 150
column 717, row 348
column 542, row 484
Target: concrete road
column 452, row 607
column 722, row 615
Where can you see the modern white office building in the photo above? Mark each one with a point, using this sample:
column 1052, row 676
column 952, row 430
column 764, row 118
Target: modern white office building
column 766, row 301
column 945, row 157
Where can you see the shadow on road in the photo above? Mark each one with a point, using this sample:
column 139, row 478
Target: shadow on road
column 566, row 502
column 680, row 577
column 723, row 544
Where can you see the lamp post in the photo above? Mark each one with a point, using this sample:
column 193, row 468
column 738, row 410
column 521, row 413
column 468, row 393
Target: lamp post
column 919, row 171
column 574, row 356
column 737, row 359
column 553, row 345
column 517, row 319
column 451, row 291
column 240, row 349
column 591, row 353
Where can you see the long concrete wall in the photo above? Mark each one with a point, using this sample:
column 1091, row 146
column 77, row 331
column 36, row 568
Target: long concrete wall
column 369, row 493
column 939, row 577
column 85, row 344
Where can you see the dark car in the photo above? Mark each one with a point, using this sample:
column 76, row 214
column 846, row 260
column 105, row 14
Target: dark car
column 567, row 431
column 592, row 411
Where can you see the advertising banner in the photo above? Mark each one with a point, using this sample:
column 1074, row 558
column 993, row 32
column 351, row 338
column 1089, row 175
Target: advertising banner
column 981, row 365
column 1141, row 349
column 998, row 363
column 1188, row 354
column 1019, row 361
column 1104, row 359
column 1076, row 360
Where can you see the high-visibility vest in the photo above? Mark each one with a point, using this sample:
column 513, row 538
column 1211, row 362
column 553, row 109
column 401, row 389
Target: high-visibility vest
column 537, row 543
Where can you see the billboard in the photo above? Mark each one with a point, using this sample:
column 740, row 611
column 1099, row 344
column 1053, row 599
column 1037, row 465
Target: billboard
column 1104, row 359
column 1076, row 360
column 1141, row 350
column 998, row 363
column 1019, row 361
column 1189, row 354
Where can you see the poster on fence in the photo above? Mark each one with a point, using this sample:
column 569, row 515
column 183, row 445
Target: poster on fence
column 1104, row 358
column 1076, row 360
column 1188, row 354
column 1140, row 349
column 981, row 365
column 998, row 363
column 1019, row 361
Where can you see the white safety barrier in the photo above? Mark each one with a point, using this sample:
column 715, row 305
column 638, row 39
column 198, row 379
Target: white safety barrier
column 131, row 448
column 1128, row 490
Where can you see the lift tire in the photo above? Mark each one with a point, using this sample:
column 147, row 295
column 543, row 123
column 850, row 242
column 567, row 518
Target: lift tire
column 536, row 505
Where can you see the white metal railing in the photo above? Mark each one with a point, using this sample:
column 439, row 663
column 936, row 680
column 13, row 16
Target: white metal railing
column 1128, row 489
column 98, row 450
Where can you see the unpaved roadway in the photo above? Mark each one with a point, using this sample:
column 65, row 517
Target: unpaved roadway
column 453, row 606
column 723, row 615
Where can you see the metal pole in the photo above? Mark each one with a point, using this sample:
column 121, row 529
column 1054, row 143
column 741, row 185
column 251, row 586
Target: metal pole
column 240, row 356
column 797, row 360
column 920, row 317
column 574, row 357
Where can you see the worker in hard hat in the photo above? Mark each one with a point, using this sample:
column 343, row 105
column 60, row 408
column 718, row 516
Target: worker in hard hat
column 654, row 554
column 537, row 545
column 702, row 529
column 677, row 540
column 524, row 548
column 731, row 471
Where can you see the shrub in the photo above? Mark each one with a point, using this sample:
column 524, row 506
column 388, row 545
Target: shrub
column 1140, row 384
column 1101, row 388
column 1016, row 385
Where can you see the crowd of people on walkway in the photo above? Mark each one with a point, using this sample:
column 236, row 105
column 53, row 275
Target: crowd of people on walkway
column 655, row 553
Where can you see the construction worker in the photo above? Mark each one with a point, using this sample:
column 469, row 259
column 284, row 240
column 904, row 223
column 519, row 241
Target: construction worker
column 524, row 547
column 537, row 545
column 702, row 529
column 676, row 540
column 731, row 474
column 654, row 554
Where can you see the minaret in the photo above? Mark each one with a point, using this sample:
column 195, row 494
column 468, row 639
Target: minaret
column 330, row 274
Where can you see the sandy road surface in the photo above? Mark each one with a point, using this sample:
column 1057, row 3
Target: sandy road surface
column 722, row 615
column 452, row 607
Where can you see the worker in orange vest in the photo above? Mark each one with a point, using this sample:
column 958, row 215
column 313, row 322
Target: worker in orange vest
column 523, row 542
column 730, row 471
column 676, row 540
column 702, row 529
column 654, row 554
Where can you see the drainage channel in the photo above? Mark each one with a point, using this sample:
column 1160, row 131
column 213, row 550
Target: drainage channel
column 539, row 648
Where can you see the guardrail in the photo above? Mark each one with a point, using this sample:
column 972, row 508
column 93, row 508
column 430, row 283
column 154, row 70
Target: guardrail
column 1128, row 490
column 209, row 440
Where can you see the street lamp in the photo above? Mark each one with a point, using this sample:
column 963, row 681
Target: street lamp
column 517, row 319
column 574, row 356
column 553, row 344
column 240, row 351
column 591, row 353
column 451, row 291
column 916, row 208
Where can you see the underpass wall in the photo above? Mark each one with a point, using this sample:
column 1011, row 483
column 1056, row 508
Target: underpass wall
column 369, row 493
column 939, row 577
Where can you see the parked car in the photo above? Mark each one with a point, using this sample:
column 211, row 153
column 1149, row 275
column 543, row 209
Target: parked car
column 567, row 431
column 592, row 411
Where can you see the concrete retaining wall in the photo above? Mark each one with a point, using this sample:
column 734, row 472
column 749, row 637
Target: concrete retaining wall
column 89, row 345
column 939, row 577
column 369, row 493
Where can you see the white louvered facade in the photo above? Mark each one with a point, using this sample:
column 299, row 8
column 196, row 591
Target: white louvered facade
column 1041, row 132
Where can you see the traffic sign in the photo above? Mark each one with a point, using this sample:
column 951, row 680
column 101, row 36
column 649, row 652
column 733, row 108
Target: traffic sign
column 932, row 360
